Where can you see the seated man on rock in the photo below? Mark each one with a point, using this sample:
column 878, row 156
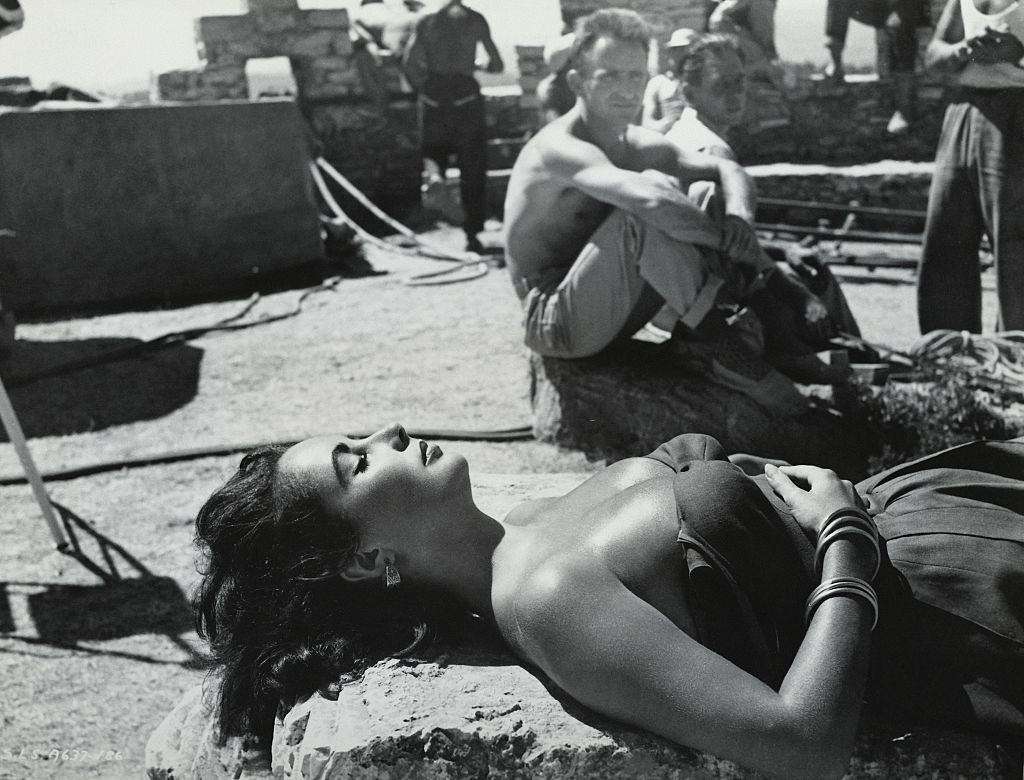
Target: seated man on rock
column 713, row 81
column 600, row 233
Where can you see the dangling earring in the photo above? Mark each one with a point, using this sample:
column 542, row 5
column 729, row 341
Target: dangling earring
column 391, row 576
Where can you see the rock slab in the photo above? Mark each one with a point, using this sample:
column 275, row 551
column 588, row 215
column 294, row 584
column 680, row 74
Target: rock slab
column 629, row 399
column 479, row 714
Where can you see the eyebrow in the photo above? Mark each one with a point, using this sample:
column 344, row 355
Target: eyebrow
column 340, row 449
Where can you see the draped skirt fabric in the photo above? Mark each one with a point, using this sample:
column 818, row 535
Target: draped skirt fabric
column 950, row 642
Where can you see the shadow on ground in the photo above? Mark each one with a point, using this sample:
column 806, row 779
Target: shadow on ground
column 65, row 387
column 130, row 600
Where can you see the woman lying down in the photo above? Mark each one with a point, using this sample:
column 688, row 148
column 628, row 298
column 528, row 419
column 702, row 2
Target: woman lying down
column 747, row 616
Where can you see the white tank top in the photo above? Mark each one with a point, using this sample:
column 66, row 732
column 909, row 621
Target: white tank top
column 1001, row 74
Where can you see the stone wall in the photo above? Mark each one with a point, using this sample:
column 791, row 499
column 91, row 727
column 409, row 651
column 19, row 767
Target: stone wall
column 153, row 203
column 364, row 121
column 815, row 121
column 361, row 117
column 809, row 120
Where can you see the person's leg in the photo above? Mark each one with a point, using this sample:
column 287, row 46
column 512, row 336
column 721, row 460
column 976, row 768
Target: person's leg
column 592, row 303
column 837, row 24
column 948, row 283
column 901, row 29
column 472, row 155
column 999, row 161
column 761, row 17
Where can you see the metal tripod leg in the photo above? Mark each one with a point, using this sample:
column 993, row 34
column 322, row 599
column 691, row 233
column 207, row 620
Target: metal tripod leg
column 17, row 437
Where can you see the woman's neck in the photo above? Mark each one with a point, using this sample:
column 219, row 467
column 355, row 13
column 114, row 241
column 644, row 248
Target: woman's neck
column 463, row 562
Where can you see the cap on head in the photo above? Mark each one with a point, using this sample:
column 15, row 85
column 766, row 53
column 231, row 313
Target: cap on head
column 682, row 37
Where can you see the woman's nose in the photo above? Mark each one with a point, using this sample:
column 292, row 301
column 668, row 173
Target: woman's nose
column 395, row 435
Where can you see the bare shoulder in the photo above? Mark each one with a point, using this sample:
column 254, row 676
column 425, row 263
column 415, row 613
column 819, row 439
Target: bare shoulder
column 548, row 606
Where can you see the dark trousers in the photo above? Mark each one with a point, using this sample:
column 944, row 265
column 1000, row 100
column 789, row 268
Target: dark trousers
column 900, row 39
column 977, row 187
column 452, row 122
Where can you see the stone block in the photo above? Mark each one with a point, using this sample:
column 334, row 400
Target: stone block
column 342, row 46
column 633, row 396
column 530, row 52
column 270, row 5
column 178, row 84
column 477, row 713
column 334, row 18
column 183, row 746
column 271, row 22
column 158, row 203
column 224, row 28
column 312, row 43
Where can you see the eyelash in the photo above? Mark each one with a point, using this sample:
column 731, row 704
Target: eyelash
column 364, row 461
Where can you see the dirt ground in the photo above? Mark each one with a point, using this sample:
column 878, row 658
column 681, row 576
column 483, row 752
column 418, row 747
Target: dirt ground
column 92, row 655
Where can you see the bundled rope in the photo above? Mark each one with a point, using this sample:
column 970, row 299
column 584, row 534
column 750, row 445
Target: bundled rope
column 471, row 264
column 995, row 361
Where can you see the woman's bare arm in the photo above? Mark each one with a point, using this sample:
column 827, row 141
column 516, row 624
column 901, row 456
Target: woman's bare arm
column 616, row 653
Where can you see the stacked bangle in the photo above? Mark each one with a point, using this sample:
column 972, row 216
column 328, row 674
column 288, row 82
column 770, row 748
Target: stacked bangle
column 845, row 522
column 842, row 586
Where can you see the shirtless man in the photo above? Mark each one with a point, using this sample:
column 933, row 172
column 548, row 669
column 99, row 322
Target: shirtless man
column 439, row 62
column 599, row 232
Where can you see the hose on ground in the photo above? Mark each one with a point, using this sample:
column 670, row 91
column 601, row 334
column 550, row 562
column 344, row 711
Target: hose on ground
column 175, row 337
column 523, row 433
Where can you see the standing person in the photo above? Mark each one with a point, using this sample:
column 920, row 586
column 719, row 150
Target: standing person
column 753, row 23
column 440, row 60
column 663, row 98
column 978, row 184
column 599, row 231
column 897, row 22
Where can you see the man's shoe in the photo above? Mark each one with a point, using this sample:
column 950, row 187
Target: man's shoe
column 772, row 391
column 728, row 361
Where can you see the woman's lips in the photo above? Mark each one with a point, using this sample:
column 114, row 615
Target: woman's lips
column 433, row 453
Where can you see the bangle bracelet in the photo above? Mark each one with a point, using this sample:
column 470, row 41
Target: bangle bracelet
column 842, row 586
column 848, row 521
column 838, row 532
column 847, row 511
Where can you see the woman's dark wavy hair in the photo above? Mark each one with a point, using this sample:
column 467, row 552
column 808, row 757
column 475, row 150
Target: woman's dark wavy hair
column 280, row 622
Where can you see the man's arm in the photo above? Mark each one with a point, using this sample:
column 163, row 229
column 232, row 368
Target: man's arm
column 652, row 195
column 494, row 61
column 414, row 58
column 737, row 186
column 950, row 50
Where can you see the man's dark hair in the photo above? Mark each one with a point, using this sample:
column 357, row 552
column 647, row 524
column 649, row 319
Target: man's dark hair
column 618, row 23
column 693, row 60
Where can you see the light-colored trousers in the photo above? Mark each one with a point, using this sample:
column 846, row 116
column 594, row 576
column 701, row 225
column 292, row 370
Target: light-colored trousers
column 576, row 311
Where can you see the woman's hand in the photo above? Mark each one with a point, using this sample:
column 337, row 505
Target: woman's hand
column 812, row 493
column 753, row 465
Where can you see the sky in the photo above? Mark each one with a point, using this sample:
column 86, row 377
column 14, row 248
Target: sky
column 114, row 45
